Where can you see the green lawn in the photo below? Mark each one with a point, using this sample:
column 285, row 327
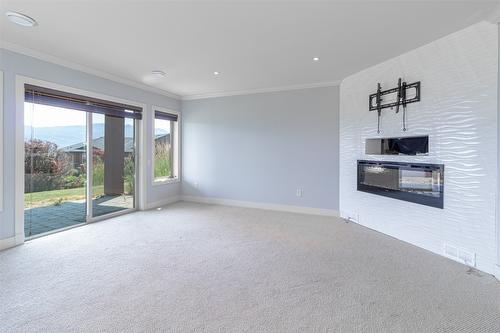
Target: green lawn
column 38, row 199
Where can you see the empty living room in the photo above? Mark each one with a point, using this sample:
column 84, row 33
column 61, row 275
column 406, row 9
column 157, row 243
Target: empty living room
column 250, row 166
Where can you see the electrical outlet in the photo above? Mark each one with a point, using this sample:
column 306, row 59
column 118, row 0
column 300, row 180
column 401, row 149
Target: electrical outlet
column 352, row 217
column 298, row 192
column 195, row 184
column 463, row 256
column 466, row 257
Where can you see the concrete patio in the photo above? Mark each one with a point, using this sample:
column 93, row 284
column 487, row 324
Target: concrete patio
column 49, row 218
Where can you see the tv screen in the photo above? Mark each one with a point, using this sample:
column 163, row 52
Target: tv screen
column 415, row 145
column 408, row 146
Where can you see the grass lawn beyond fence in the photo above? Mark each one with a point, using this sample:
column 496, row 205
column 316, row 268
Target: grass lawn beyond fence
column 46, row 198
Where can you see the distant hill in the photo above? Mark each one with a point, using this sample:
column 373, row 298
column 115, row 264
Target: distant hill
column 65, row 136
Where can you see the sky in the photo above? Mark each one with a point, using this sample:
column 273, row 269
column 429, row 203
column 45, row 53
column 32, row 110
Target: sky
column 38, row 115
column 162, row 126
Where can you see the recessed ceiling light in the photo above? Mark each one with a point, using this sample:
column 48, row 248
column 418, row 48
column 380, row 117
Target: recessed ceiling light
column 158, row 73
column 315, row 59
column 20, row 19
column 216, row 73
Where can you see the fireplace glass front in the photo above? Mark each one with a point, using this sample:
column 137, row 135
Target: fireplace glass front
column 415, row 182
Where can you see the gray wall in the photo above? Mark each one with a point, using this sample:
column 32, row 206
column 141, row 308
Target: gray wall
column 262, row 147
column 12, row 64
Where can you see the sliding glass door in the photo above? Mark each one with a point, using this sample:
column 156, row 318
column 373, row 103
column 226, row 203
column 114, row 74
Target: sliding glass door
column 55, row 168
column 80, row 160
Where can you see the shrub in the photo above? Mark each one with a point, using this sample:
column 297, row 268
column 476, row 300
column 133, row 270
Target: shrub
column 44, row 165
column 74, row 172
column 129, row 174
column 44, row 157
column 98, row 167
column 72, row 181
column 162, row 160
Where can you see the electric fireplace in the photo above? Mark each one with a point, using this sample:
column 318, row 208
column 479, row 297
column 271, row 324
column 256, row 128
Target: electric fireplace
column 414, row 182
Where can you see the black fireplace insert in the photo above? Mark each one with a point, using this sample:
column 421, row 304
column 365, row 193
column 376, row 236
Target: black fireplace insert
column 414, row 182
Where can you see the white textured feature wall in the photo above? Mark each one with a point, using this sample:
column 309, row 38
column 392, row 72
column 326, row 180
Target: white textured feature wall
column 458, row 111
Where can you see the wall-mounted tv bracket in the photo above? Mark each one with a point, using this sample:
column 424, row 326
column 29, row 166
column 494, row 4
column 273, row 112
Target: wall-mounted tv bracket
column 400, row 97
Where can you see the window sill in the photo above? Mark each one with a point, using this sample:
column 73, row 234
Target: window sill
column 165, row 181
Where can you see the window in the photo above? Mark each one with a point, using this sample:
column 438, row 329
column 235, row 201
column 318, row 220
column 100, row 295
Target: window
column 165, row 146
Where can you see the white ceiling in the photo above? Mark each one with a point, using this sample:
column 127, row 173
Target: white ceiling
column 254, row 45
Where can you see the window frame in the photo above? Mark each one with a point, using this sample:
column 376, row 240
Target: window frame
column 1, row 141
column 141, row 144
column 175, row 133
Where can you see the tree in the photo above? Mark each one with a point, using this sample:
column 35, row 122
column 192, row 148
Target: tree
column 44, row 165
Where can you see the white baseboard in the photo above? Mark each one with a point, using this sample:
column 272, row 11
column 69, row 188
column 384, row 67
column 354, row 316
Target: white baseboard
column 497, row 272
column 261, row 205
column 10, row 242
column 164, row 202
column 7, row 242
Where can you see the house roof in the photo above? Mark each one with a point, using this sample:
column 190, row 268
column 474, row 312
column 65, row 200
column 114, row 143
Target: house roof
column 98, row 143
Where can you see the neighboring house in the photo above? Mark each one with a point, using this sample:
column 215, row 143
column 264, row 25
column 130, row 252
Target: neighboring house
column 162, row 138
column 78, row 150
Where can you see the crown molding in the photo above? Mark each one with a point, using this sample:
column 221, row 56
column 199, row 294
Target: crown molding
column 260, row 91
column 85, row 69
column 82, row 68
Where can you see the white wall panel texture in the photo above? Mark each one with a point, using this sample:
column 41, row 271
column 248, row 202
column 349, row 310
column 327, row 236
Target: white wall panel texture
column 458, row 111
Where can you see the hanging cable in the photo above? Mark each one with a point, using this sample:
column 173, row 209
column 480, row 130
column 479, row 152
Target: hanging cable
column 404, row 119
column 378, row 122
column 404, row 106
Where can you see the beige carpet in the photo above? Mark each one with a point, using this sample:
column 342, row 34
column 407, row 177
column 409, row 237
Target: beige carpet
column 203, row 268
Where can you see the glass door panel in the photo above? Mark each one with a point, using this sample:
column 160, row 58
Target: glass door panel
column 80, row 159
column 113, row 164
column 55, row 168
column 129, row 167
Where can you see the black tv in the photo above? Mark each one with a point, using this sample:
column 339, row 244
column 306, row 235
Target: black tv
column 415, row 145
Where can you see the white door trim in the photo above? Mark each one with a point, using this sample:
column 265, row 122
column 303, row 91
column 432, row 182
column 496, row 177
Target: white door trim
column 497, row 206
column 2, row 141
